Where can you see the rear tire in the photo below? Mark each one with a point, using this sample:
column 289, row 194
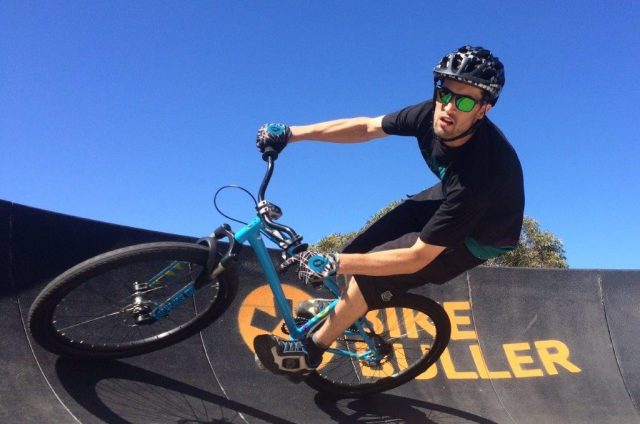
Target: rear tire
column 88, row 311
column 413, row 331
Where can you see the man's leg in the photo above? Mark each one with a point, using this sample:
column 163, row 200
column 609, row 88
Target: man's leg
column 351, row 307
column 293, row 357
column 301, row 357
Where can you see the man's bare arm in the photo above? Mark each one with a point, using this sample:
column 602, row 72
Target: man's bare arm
column 351, row 130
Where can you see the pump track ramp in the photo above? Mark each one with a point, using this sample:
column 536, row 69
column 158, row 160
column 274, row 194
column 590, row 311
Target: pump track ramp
column 528, row 346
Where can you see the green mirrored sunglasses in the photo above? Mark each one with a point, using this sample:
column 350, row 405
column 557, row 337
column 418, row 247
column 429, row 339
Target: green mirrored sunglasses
column 463, row 103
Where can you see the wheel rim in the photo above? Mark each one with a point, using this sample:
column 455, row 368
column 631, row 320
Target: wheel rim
column 405, row 335
column 98, row 314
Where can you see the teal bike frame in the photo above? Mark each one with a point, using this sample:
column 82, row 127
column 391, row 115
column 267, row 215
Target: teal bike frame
column 252, row 233
column 290, row 243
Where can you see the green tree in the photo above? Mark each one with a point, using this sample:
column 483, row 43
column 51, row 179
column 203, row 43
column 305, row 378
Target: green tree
column 536, row 248
column 335, row 241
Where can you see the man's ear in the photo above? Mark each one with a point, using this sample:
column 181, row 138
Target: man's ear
column 486, row 108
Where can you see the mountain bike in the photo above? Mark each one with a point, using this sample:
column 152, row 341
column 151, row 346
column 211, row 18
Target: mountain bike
column 145, row 297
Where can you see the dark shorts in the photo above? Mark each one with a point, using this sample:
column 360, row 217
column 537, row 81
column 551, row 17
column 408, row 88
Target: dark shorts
column 401, row 228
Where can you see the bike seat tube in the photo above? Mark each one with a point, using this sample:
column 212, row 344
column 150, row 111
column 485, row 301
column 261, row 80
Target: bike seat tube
column 251, row 233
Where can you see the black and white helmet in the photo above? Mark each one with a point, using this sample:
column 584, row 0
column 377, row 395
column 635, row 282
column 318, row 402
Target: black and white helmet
column 475, row 66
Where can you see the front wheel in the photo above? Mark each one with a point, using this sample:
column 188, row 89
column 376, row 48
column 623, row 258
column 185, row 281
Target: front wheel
column 410, row 333
column 101, row 308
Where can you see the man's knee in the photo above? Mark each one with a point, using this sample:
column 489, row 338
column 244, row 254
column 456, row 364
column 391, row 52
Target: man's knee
column 353, row 296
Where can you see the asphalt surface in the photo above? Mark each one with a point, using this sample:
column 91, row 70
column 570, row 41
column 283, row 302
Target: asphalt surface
column 528, row 346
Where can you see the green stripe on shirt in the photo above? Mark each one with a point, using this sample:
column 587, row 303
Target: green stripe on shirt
column 484, row 252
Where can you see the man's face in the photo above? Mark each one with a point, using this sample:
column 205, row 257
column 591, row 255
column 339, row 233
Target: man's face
column 448, row 121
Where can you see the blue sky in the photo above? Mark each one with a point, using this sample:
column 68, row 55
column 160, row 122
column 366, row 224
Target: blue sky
column 136, row 112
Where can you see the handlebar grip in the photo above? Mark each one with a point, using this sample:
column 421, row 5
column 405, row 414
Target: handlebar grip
column 269, row 152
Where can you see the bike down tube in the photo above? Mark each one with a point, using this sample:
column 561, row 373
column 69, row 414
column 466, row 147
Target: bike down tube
column 251, row 233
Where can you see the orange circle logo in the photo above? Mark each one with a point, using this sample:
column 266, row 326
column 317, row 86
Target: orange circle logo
column 259, row 315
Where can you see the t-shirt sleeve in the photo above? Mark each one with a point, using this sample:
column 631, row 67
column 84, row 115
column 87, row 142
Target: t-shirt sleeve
column 457, row 216
column 411, row 121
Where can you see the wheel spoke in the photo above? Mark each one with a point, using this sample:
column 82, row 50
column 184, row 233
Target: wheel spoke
column 89, row 321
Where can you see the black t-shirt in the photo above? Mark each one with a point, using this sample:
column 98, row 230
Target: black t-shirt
column 481, row 184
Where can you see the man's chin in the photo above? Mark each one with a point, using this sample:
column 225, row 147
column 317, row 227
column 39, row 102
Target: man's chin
column 442, row 134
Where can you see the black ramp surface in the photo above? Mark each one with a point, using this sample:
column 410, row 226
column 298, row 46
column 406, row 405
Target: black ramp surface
column 622, row 305
column 527, row 346
column 547, row 329
column 20, row 378
column 456, row 369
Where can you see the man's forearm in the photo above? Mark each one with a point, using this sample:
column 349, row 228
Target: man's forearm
column 352, row 130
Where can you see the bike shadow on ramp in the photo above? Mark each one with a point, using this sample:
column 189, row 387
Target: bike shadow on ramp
column 392, row 408
column 117, row 392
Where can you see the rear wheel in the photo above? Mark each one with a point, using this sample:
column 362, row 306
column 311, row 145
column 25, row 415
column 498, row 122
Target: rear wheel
column 101, row 307
column 411, row 333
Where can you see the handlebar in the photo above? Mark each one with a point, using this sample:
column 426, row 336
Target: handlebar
column 288, row 240
column 269, row 155
column 265, row 209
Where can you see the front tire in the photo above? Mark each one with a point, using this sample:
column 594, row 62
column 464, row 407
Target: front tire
column 93, row 311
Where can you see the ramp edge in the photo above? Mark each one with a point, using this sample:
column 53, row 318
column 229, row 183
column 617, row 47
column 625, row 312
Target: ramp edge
column 613, row 346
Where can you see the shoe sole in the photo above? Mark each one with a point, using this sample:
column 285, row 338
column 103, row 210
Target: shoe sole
column 263, row 349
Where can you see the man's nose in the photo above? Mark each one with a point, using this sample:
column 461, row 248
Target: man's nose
column 449, row 107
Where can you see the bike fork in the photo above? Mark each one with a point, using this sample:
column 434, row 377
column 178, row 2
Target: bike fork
column 147, row 312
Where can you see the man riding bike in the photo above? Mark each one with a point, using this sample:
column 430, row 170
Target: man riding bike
column 472, row 214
